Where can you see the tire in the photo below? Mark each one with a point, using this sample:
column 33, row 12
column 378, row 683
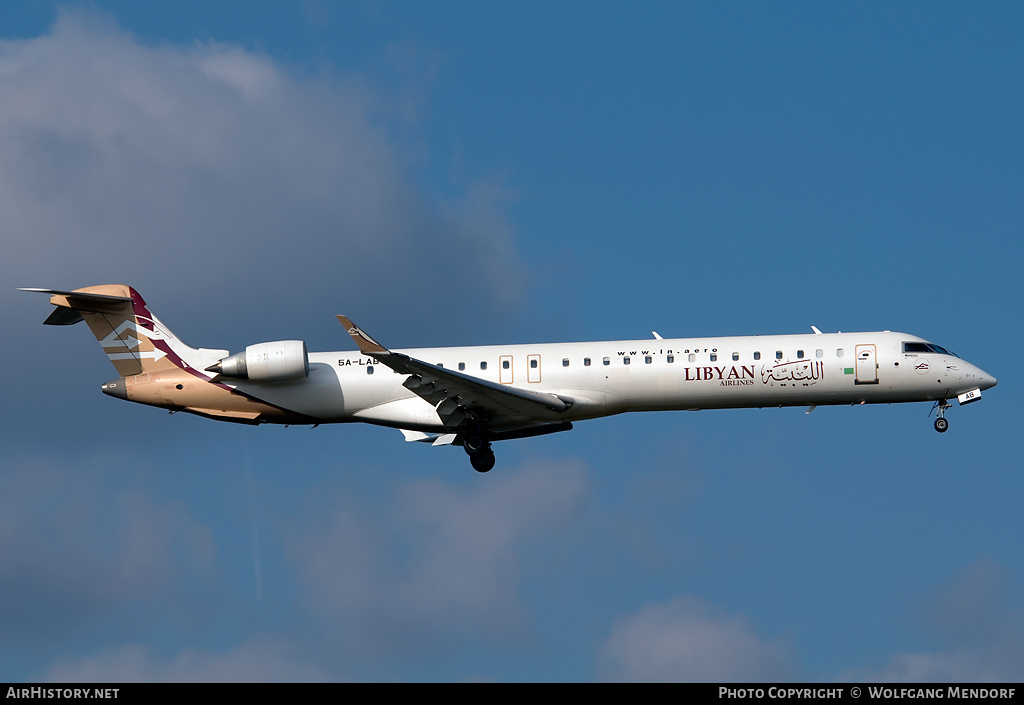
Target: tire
column 474, row 444
column 482, row 462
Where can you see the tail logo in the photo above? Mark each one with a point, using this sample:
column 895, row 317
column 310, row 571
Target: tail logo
column 354, row 330
column 118, row 340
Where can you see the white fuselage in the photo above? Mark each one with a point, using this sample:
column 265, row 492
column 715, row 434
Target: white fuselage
column 604, row 378
column 474, row 396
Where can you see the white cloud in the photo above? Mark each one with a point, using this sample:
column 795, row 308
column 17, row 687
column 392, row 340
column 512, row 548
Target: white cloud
column 686, row 639
column 218, row 173
column 982, row 635
column 440, row 566
column 953, row 666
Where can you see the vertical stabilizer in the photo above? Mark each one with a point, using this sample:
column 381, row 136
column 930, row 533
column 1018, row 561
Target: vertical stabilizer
column 132, row 337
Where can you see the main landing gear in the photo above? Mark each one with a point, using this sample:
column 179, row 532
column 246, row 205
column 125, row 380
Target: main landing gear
column 480, row 454
column 941, row 424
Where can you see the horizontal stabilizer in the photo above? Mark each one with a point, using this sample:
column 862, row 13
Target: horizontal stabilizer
column 63, row 317
column 77, row 294
column 70, row 304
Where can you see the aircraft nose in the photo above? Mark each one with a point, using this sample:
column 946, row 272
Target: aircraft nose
column 987, row 381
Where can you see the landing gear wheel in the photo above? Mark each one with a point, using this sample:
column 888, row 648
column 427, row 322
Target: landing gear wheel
column 482, row 461
column 475, row 444
column 941, row 425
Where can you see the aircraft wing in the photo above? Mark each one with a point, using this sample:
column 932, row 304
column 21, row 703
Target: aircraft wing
column 458, row 396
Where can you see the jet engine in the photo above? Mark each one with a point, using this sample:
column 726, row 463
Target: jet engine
column 267, row 362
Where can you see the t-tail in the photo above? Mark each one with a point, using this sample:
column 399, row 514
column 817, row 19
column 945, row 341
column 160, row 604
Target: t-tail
column 155, row 367
column 135, row 340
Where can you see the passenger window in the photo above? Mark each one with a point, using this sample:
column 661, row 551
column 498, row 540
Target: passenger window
column 607, row 361
column 369, row 369
column 647, row 359
column 565, row 362
column 839, row 352
column 714, row 357
column 800, row 354
column 586, row 362
column 757, row 356
column 670, row 358
column 483, row 365
column 692, row 358
column 778, row 354
column 735, row 357
column 462, row 366
column 533, row 364
column 504, row 364
column 819, row 353
column 625, row 361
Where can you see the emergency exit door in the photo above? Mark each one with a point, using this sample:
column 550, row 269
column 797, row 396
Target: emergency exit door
column 533, row 368
column 505, row 369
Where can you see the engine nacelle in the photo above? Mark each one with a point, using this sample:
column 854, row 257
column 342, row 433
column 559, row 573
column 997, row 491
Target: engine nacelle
column 267, row 362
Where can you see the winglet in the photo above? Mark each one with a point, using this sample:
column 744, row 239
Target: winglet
column 367, row 345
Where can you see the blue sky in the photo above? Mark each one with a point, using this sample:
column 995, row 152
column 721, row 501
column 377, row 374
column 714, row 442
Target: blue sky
column 470, row 173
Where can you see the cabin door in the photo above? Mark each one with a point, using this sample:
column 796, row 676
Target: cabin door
column 867, row 365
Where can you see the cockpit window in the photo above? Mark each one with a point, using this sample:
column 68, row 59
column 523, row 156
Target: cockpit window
column 911, row 347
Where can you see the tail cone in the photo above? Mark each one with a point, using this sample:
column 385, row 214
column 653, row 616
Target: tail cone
column 116, row 388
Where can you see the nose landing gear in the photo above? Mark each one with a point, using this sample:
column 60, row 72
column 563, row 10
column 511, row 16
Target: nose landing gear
column 481, row 457
column 941, row 424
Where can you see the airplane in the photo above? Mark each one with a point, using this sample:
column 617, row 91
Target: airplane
column 475, row 396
